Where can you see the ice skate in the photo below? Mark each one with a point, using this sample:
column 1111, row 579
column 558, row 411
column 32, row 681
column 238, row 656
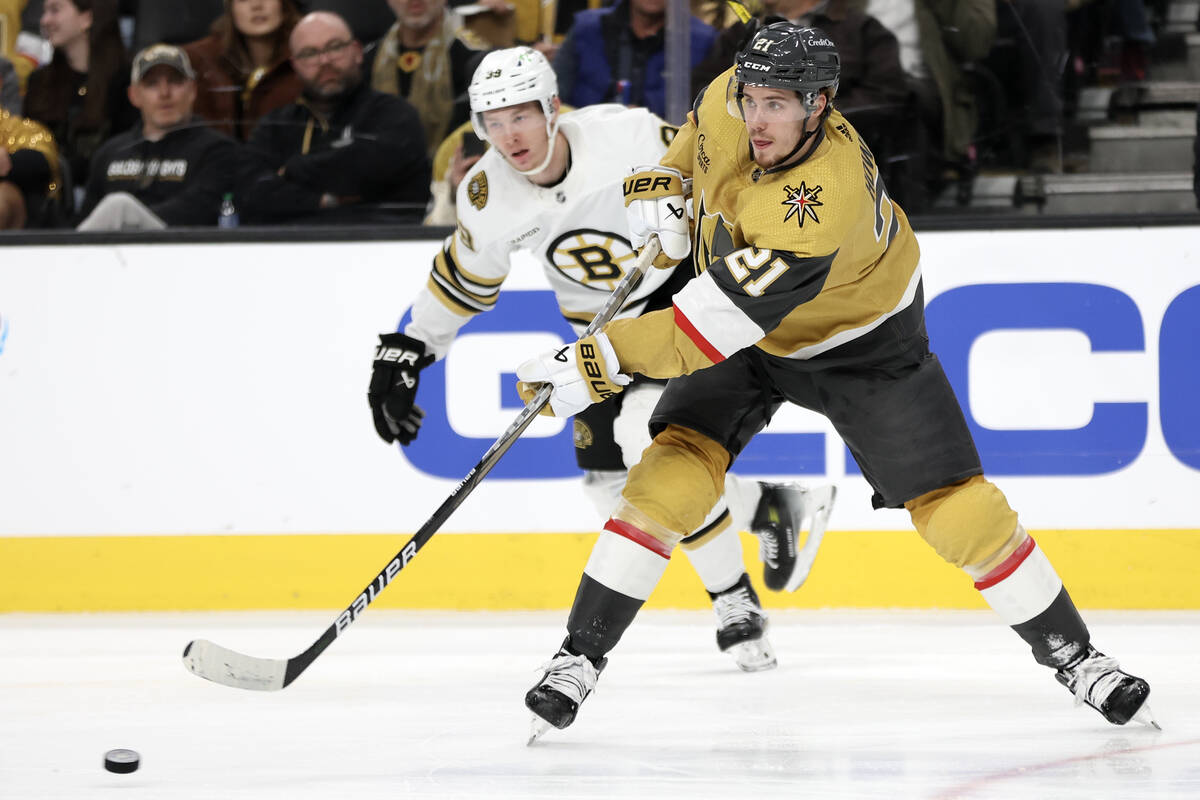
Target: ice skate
column 1097, row 679
column 742, row 626
column 566, row 682
column 778, row 522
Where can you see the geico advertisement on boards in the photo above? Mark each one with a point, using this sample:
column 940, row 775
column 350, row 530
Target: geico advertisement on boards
column 177, row 389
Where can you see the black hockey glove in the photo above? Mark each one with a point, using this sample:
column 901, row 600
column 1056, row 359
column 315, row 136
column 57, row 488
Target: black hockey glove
column 399, row 360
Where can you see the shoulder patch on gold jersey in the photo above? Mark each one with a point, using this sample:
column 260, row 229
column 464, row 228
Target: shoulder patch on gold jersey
column 477, row 190
column 802, row 203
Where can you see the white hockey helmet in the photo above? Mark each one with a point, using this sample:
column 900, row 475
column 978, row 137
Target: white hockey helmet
column 511, row 77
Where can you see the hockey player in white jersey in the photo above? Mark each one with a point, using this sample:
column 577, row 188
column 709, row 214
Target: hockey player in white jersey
column 551, row 185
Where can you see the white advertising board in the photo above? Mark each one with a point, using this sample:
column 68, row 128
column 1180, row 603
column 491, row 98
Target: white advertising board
column 177, row 389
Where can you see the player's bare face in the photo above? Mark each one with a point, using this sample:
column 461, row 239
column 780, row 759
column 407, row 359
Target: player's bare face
column 519, row 133
column 773, row 122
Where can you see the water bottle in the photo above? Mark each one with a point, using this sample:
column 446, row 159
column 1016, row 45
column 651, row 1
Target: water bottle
column 228, row 218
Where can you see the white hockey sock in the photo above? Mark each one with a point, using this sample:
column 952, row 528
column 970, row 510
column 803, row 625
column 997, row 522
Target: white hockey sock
column 627, row 560
column 718, row 559
column 1022, row 586
column 741, row 497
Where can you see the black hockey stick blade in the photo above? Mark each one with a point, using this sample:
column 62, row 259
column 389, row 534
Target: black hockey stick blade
column 231, row 668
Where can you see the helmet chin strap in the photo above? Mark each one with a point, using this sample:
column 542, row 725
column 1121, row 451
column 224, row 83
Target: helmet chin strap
column 552, row 131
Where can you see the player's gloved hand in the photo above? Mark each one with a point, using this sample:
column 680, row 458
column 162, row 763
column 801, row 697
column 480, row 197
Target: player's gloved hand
column 582, row 373
column 399, row 360
column 655, row 204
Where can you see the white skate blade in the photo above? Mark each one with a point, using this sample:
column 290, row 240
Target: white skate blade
column 754, row 656
column 1145, row 716
column 821, row 503
column 537, row 728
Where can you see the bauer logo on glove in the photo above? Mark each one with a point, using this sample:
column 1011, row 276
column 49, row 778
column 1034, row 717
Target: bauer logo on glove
column 655, row 205
column 581, row 374
column 395, row 373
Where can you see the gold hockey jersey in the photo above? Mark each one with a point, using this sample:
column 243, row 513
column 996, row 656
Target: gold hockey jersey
column 796, row 261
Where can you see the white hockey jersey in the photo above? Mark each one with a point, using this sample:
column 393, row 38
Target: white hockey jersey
column 576, row 229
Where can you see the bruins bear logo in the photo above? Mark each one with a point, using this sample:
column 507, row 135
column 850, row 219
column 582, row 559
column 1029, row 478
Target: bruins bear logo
column 477, row 190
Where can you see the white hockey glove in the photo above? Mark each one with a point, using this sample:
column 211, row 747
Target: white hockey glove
column 582, row 373
column 655, row 204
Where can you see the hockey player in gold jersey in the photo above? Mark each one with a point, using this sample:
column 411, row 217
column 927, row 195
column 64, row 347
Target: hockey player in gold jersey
column 810, row 292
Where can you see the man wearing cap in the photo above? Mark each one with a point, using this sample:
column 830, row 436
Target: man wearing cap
column 169, row 170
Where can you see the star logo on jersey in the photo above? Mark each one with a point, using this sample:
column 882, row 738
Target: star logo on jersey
column 477, row 190
column 802, row 203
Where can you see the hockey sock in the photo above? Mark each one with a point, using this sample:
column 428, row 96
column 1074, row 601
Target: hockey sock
column 741, row 497
column 625, row 566
column 715, row 552
column 1027, row 593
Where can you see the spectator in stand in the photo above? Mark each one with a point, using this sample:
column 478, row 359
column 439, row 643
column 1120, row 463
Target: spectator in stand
column 344, row 152
column 10, row 26
column 1196, row 156
column 10, row 88
column 28, row 169
column 427, row 58
column 950, row 35
column 243, row 68
column 82, row 94
column 617, row 55
column 168, row 170
column 1039, row 30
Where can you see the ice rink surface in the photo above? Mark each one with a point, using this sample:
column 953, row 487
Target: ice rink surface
column 418, row 705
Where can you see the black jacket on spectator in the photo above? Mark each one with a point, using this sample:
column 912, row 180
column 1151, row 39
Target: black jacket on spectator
column 369, row 151
column 181, row 177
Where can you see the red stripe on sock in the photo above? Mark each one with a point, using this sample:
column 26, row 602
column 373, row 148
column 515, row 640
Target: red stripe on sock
column 1008, row 566
column 684, row 324
column 637, row 536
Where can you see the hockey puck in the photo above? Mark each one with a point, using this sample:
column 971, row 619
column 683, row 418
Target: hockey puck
column 122, row 761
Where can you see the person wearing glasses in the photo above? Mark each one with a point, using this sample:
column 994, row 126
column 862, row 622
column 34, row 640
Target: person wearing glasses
column 343, row 151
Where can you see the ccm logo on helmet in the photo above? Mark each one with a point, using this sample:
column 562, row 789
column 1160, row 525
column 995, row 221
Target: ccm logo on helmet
column 757, row 66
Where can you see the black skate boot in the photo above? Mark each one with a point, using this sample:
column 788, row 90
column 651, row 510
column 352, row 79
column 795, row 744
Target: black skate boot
column 566, row 682
column 777, row 523
column 742, row 626
column 1097, row 679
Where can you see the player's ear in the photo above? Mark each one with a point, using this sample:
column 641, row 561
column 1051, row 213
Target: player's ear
column 555, row 104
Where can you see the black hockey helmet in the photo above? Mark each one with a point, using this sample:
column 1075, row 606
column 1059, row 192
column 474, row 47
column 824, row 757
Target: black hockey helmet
column 784, row 55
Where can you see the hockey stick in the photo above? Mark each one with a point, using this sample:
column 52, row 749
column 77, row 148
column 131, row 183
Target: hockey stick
column 231, row 668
